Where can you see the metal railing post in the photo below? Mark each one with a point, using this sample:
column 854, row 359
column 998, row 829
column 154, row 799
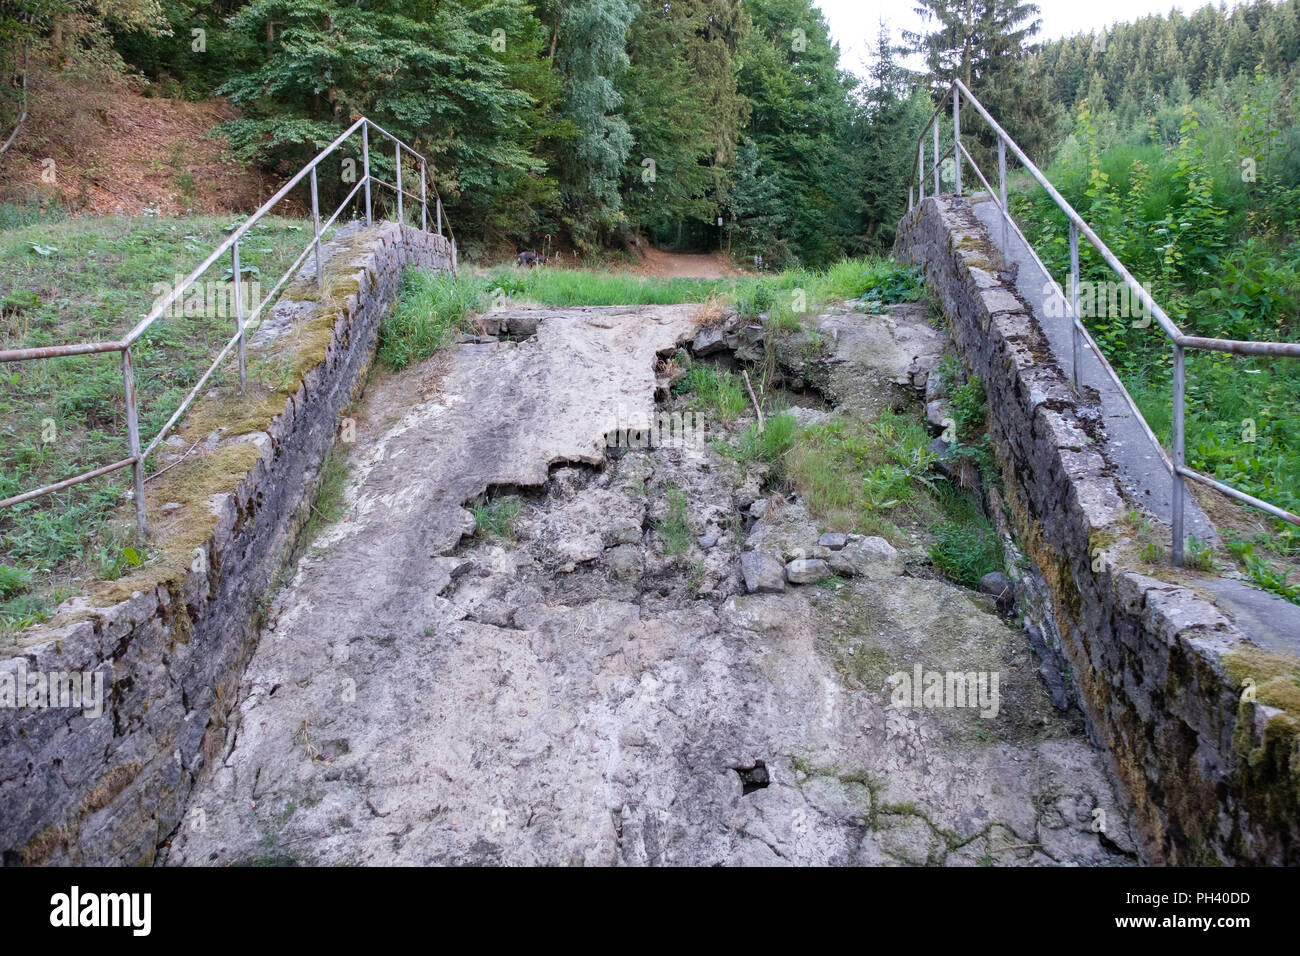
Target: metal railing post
column 236, row 273
column 398, row 150
column 424, row 201
column 1178, row 490
column 315, row 225
column 920, row 165
column 1002, row 183
column 133, row 441
column 438, row 201
column 911, row 198
column 937, row 184
column 956, row 140
column 455, row 267
column 365, row 161
column 1074, row 306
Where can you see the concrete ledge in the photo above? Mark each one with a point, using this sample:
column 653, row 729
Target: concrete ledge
column 1213, row 770
column 171, row 639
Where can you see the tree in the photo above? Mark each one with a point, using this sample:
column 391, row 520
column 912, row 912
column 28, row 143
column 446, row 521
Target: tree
column 800, row 114
column 590, row 55
column 882, row 138
column 437, row 75
column 986, row 44
column 670, row 108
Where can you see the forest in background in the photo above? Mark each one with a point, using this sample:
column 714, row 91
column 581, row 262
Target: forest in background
column 599, row 121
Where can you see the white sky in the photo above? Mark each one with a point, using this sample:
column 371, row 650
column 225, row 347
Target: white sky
column 855, row 23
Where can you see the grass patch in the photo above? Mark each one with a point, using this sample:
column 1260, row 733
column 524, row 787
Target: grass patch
column 86, row 280
column 1266, row 574
column 714, row 391
column 494, row 518
column 327, row 504
column 859, row 477
column 432, row 309
column 768, row 443
column 966, row 548
column 675, row 528
column 873, row 478
column 576, row 287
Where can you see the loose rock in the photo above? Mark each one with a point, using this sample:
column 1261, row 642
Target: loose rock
column 762, row 572
column 806, row 571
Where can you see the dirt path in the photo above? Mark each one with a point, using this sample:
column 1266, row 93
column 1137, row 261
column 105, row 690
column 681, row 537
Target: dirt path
column 686, row 265
column 597, row 686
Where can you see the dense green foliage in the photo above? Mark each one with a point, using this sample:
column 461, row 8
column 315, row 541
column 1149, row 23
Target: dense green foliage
column 1207, row 221
column 582, row 123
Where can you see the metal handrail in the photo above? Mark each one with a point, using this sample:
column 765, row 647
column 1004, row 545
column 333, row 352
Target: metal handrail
column 137, row 458
column 1176, row 467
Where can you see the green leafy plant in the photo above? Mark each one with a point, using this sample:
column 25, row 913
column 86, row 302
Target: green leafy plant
column 718, row 392
column 1265, row 573
column 13, row 581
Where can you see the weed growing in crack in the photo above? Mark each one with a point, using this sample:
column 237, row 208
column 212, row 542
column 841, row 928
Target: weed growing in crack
column 675, row 529
column 1199, row 555
column 717, row 392
column 966, row 548
column 860, row 477
column 496, row 518
column 768, row 443
column 1267, row 575
column 327, row 502
column 431, row 310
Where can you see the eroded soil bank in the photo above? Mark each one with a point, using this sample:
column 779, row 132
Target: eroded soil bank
column 600, row 681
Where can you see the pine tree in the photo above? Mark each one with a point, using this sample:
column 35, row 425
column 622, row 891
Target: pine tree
column 590, row 55
column 667, row 177
column 882, row 146
column 800, row 111
column 986, row 44
column 437, row 76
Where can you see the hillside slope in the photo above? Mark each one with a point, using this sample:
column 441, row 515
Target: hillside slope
column 116, row 152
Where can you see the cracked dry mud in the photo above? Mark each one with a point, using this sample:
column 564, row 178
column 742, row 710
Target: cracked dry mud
column 575, row 696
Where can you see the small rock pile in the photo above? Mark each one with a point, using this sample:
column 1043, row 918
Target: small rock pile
column 784, row 547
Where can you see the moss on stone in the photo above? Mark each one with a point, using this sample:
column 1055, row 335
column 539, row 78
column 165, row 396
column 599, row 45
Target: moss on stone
column 175, row 536
column 1276, row 676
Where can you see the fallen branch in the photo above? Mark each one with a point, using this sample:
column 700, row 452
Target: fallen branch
column 22, row 113
column 173, row 464
column 757, row 408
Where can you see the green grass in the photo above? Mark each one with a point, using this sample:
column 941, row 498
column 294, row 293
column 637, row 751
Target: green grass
column 494, row 518
column 675, row 528
column 327, row 503
column 767, row 443
column 94, row 279
column 714, row 391
column 433, row 308
column 1266, row 574
column 859, row 477
column 576, row 287
column 873, row 478
column 966, row 548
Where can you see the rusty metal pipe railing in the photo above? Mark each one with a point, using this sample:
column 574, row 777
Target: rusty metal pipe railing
column 1080, row 337
column 244, row 323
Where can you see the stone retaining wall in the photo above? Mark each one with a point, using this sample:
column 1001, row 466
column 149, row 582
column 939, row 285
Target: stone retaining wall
column 108, row 790
column 1214, row 777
